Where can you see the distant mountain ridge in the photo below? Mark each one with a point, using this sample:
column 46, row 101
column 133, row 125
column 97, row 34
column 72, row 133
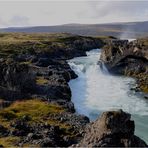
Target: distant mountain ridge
column 120, row 30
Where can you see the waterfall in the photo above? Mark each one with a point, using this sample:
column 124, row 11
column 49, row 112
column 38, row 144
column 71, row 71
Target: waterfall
column 95, row 91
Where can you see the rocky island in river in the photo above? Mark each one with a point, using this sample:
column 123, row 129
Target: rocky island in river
column 35, row 98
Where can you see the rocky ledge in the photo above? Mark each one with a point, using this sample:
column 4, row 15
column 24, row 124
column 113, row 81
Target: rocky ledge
column 128, row 58
column 112, row 129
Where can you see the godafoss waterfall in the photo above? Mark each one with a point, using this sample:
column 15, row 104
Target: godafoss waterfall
column 95, row 90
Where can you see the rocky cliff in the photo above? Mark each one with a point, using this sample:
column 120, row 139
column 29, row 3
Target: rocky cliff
column 34, row 65
column 128, row 58
column 112, row 129
column 35, row 98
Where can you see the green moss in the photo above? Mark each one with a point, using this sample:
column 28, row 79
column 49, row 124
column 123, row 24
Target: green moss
column 142, row 79
column 12, row 44
column 143, row 41
column 69, row 38
column 9, row 141
column 106, row 37
column 144, row 88
column 41, row 81
column 7, row 115
column 35, row 110
column 26, row 63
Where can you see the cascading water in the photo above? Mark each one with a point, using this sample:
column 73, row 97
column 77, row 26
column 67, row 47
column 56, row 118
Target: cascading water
column 95, row 91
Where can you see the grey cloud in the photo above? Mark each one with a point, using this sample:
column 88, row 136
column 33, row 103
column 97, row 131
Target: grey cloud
column 3, row 23
column 131, row 9
column 27, row 13
column 19, row 20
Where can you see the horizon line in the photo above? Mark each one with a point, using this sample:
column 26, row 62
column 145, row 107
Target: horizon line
column 73, row 24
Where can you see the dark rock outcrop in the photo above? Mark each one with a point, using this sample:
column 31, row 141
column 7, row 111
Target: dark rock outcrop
column 16, row 80
column 112, row 129
column 19, row 81
column 3, row 131
column 46, row 135
column 131, row 59
column 120, row 55
column 40, row 70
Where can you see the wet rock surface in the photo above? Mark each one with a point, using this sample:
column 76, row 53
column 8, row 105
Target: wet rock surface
column 112, row 129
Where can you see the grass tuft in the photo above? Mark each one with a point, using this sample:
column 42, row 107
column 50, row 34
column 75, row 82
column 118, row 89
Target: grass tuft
column 9, row 141
column 41, row 81
column 35, row 110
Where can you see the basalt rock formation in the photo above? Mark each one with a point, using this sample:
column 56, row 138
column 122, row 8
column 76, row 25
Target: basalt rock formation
column 128, row 58
column 39, row 123
column 36, row 66
column 35, row 98
column 112, row 129
column 16, row 80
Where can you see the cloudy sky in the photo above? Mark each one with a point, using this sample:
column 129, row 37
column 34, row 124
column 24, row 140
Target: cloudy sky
column 47, row 12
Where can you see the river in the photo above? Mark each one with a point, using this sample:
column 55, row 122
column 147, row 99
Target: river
column 96, row 91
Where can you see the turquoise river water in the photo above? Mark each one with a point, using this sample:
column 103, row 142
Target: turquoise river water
column 96, row 91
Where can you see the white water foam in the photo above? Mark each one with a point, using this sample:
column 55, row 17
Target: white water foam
column 95, row 91
column 130, row 40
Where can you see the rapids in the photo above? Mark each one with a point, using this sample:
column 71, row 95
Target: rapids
column 95, row 91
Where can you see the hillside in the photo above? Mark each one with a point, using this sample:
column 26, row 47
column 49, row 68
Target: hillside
column 120, row 30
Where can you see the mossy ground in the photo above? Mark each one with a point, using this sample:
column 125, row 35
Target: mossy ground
column 9, row 141
column 144, row 88
column 36, row 111
column 13, row 44
column 41, row 81
column 143, row 41
column 142, row 80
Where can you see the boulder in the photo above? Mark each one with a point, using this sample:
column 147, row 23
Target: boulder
column 112, row 129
